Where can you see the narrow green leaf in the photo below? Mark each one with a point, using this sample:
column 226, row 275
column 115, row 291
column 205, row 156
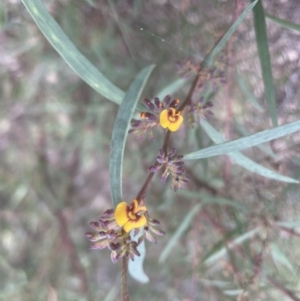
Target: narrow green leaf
column 220, row 45
column 178, row 233
column 223, row 251
column 248, row 93
column 207, row 199
column 135, row 268
column 18, row 196
column 264, row 58
column 245, row 142
column 252, row 166
column 123, row 30
column 219, row 245
column 243, row 160
column 235, row 292
column 70, row 53
column 290, row 225
column 120, row 132
column 263, row 147
column 283, row 23
column 280, row 258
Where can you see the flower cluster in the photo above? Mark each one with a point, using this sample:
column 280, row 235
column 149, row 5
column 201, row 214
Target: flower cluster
column 163, row 113
column 173, row 165
column 199, row 110
column 114, row 227
column 214, row 75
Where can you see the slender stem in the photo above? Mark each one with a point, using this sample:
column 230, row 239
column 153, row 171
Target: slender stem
column 166, row 142
column 142, row 192
column 125, row 295
column 192, row 89
column 187, row 100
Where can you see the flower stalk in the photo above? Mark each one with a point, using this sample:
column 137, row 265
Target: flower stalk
column 124, row 285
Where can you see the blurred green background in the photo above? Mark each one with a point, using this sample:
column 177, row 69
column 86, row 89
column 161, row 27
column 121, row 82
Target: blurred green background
column 55, row 131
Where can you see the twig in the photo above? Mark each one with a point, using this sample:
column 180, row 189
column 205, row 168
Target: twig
column 187, row 100
column 124, row 286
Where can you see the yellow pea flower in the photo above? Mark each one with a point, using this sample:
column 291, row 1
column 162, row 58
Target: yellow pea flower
column 170, row 119
column 130, row 217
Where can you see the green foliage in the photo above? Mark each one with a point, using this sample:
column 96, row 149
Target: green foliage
column 231, row 232
column 184, row 225
column 70, row 54
column 220, row 45
column 243, row 160
column 284, row 23
column 245, row 142
column 120, row 131
column 264, row 58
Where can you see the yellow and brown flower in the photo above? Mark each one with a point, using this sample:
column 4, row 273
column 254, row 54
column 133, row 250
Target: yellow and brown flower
column 170, row 119
column 130, row 217
column 114, row 226
column 159, row 113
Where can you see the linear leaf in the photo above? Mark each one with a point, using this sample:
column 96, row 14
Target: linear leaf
column 219, row 245
column 283, row 23
column 290, row 225
column 263, row 147
column 280, row 258
column 248, row 93
column 70, row 53
column 252, row 166
column 223, row 251
column 220, row 45
column 245, row 142
column 207, row 199
column 264, row 58
column 235, row 292
column 120, row 131
column 178, row 233
column 135, row 268
column 243, row 160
